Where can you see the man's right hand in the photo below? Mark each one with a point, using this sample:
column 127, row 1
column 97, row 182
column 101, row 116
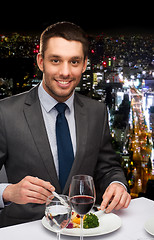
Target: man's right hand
column 28, row 190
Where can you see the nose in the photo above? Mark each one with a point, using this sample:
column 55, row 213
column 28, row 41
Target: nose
column 65, row 70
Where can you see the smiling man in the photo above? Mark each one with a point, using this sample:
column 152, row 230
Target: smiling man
column 29, row 146
column 62, row 66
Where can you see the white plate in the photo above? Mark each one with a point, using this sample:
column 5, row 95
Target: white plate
column 107, row 223
column 149, row 226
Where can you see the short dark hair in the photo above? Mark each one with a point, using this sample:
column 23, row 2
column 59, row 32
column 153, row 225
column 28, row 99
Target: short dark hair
column 66, row 30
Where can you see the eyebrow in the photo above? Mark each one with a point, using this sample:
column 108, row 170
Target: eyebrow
column 54, row 56
column 77, row 58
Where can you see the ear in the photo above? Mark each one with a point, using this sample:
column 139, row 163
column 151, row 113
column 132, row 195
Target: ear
column 84, row 65
column 40, row 61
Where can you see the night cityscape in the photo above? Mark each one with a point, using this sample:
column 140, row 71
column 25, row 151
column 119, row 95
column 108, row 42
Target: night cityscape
column 120, row 72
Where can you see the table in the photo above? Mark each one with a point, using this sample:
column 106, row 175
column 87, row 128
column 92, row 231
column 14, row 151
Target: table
column 133, row 220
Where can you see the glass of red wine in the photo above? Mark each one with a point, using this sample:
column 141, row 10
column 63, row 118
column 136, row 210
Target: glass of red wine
column 82, row 196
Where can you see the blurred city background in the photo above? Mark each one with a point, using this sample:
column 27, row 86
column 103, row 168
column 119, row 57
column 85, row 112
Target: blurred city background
column 120, row 72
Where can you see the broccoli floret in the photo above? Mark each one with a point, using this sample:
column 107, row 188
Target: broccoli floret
column 90, row 221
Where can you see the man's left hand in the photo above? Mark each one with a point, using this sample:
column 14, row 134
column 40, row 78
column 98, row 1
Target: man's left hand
column 115, row 197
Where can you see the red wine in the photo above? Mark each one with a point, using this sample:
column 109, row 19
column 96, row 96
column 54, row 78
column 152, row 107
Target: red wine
column 82, row 204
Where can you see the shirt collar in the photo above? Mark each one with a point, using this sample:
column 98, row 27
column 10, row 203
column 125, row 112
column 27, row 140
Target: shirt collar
column 49, row 102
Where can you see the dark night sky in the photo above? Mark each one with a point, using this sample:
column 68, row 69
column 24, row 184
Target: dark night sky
column 101, row 17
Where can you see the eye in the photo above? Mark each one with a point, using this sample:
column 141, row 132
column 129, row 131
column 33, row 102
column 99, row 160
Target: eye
column 75, row 62
column 55, row 61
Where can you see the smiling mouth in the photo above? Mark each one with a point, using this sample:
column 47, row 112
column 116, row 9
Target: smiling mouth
column 64, row 82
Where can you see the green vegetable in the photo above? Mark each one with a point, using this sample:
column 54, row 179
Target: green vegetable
column 90, row 221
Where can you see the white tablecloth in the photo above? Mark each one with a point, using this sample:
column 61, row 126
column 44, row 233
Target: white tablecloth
column 133, row 220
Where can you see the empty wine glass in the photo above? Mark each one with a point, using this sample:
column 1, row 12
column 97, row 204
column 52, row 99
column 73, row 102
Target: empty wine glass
column 82, row 196
column 58, row 213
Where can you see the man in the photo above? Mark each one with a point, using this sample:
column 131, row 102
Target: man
column 28, row 146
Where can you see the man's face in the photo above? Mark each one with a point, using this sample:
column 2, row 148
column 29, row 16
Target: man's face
column 62, row 66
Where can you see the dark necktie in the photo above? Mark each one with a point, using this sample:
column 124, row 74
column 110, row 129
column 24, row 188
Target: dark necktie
column 64, row 144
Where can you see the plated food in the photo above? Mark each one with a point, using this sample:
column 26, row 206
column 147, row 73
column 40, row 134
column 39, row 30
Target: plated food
column 107, row 223
column 90, row 220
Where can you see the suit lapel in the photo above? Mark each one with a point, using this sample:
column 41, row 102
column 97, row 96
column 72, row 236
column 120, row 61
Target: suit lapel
column 34, row 117
column 81, row 137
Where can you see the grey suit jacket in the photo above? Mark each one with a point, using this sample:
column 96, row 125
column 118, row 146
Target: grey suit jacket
column 25, row 149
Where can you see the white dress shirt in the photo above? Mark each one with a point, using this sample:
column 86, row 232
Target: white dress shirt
column 50, row 114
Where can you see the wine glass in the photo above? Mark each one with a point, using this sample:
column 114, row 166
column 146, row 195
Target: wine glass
column 58, row 212
column 82, row 196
